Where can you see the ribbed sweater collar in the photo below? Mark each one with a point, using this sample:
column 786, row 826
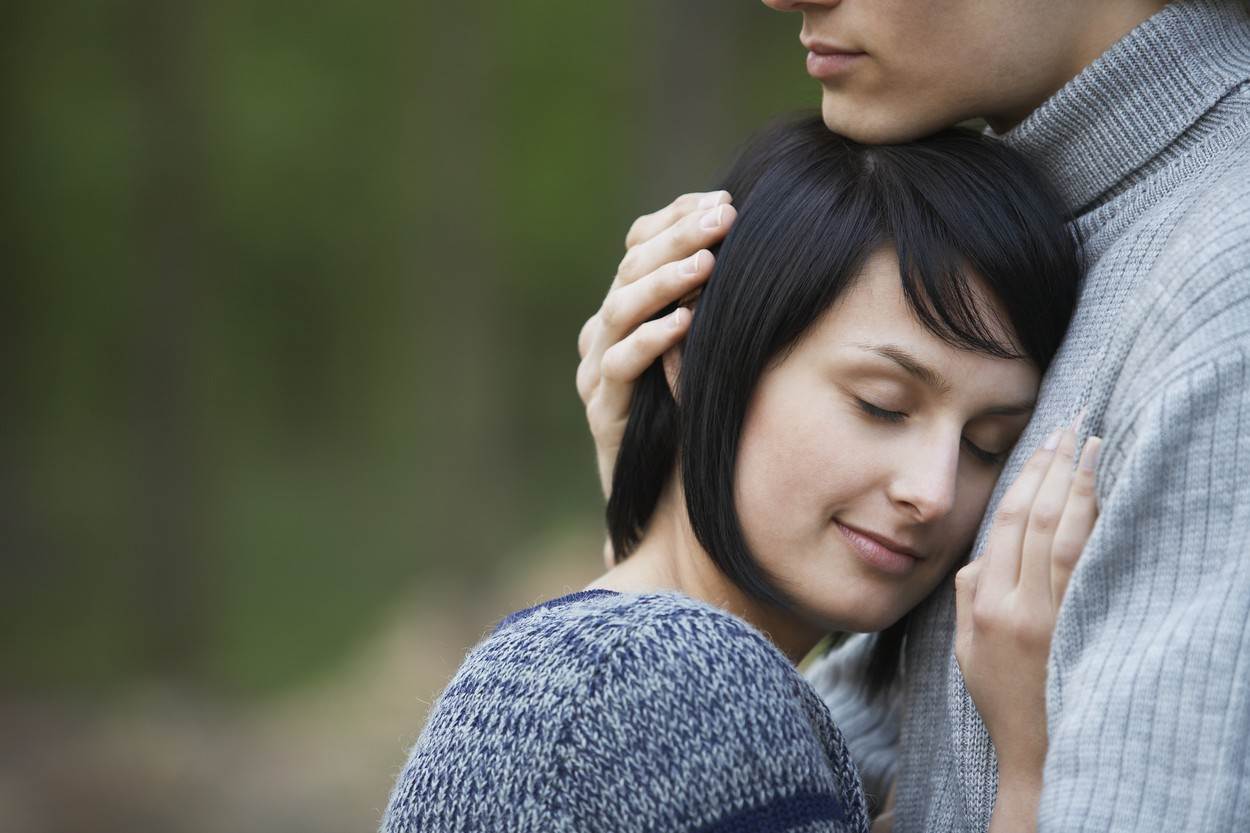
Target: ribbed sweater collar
column 1133, row 102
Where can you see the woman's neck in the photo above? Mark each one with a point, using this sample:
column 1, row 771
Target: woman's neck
column 669, row 557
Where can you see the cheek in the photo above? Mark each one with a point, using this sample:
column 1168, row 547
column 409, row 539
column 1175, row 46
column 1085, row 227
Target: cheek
column 800, row 461
column 784, row 476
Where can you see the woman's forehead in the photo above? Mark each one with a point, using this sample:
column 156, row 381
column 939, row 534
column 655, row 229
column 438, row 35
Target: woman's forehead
column 874, row 324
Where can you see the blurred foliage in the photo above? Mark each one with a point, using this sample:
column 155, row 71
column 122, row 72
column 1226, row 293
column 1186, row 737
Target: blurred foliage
column 291, row 301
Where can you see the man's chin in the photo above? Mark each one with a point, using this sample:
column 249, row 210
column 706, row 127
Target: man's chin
column 872, row 125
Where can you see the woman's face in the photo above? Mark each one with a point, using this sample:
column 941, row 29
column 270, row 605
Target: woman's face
column 873, row 428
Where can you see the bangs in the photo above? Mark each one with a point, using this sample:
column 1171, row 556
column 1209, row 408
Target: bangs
column 984, row 264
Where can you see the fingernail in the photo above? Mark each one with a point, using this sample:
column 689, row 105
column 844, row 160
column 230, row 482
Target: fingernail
column 1093, row 450
column 690, row 265
column 678, row 318
column 1052, row 441
column 712, row 219
column 710, row 200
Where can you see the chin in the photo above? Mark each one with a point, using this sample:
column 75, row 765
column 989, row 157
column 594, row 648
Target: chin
column 871, row 622
column 874, row 124
column 863, row 618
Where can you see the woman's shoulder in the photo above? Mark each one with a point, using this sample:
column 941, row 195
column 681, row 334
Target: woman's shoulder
column 658, row 609
column 624, row 646
column 689, row 706
column 641, row 634
column 684, row 695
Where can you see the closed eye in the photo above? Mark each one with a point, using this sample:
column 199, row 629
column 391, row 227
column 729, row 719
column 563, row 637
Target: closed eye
column 881, row 413
column 988, row 457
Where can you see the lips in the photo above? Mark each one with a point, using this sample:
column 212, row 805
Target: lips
column 826, row 60
column 880, row 552
column 821, row 47
column 885, row 541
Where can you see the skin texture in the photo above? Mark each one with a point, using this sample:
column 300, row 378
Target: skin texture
column 811, row 452
column 932, row 63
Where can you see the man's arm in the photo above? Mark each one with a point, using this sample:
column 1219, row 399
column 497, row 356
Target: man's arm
column 1149, row 692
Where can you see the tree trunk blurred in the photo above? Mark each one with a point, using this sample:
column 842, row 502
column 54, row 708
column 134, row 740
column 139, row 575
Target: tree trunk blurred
column 169, row 254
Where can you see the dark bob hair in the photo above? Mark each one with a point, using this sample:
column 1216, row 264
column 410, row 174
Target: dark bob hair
column 812, row 206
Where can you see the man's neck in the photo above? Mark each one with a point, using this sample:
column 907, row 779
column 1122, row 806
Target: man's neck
column 1110, row 22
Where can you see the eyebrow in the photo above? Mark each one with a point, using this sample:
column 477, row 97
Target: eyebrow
column 931, row 378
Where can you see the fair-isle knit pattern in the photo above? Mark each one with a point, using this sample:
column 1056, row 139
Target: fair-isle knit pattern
column 606, row 712
column 1149, row 691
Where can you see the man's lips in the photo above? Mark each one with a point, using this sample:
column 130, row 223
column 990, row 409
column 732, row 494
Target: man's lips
column 825, row 60
column 824, row 47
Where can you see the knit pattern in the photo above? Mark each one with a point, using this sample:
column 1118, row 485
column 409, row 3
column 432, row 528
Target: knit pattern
column 609, row 712
column 872, row 734
column 1149, row 688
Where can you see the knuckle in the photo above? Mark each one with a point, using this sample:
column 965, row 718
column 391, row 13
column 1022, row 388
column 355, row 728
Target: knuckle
column 966, row 578
column 1044, row 518
column 1032, row 629
column 586, row 335
column 1011, row 513
column 1067, row 551
column 587, row 380
column 627, row 264
column 612, row 367
column 986, row 617
column 635, row 234
column 610, row 312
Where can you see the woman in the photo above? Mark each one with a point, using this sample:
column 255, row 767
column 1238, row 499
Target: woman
column 815, row 460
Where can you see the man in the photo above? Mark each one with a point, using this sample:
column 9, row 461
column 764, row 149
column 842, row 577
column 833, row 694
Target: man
column 1139, row 113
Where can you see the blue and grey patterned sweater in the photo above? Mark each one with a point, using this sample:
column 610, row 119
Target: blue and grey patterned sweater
column 607, row 712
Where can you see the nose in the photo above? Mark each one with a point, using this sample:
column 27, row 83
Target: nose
column 924, row 480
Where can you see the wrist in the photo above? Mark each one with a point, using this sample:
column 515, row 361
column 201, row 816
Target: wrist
column 1021, row 756
column 1015, row 806
column 1022, row 775
column 1022, row 782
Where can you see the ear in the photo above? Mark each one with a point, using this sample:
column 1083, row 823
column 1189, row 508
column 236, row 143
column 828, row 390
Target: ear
column 672, row 368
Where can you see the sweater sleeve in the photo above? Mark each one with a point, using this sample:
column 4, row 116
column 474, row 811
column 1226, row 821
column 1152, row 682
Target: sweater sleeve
column 692, row 724
column 1149, row 692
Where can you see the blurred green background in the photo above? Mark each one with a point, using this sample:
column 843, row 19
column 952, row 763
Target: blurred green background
column 292, row 294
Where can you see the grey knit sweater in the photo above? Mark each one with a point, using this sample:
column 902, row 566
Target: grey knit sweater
column 606, row 712
column 1149, row 692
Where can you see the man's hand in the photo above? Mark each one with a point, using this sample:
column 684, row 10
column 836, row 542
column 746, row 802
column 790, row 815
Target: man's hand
column 666, row 259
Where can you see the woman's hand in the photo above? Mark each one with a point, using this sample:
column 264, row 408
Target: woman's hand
column 665, row 260
column 1006, row 605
